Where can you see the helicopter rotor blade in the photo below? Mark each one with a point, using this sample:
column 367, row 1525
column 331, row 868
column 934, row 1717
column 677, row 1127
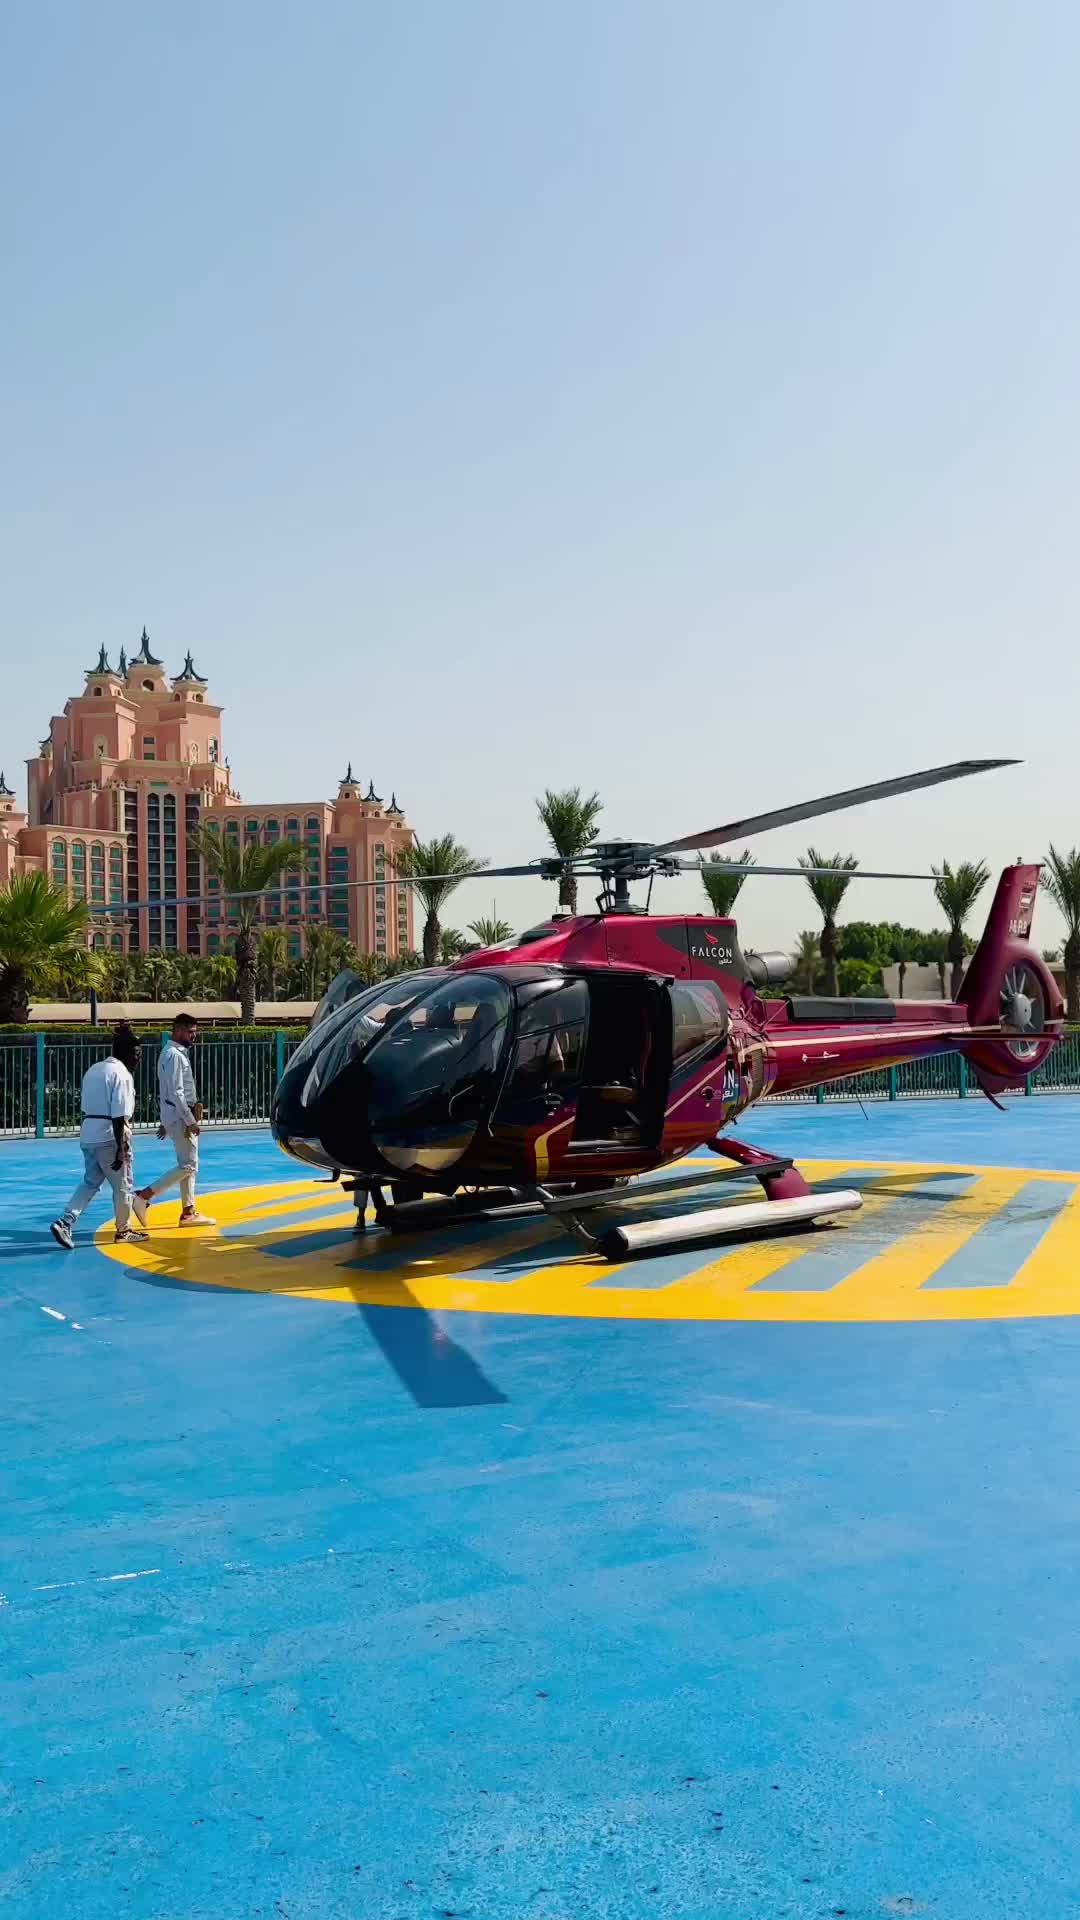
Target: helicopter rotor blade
column 727, row 867
column 392, row 878
column 829, row 803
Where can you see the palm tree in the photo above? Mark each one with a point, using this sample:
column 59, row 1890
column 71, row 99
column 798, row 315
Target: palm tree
column 271, row 954
column 804, row 975
column 118, row 977
column 956, row 893
column 221, row 976
column 72, row 975
column 326, row 952
column 159, row 977
column 490, row 932
column 1061, row 880
column 188, row 976
column 720, row 883
column 452, row 944
column 433, row 868
column 38, row 929
column 570, row 824
column 828, row 890
column 244, row 874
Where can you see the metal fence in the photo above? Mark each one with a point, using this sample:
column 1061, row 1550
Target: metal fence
column 236, row 1073
column 41, row 1078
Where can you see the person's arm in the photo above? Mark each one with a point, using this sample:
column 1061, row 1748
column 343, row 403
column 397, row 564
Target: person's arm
column 122, row 1113
column 172, row 1085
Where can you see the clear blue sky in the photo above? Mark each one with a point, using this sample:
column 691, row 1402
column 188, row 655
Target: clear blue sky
column 678, row 400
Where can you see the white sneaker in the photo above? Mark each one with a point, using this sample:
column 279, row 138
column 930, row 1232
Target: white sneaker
column 62, row 1234
column 138, row 1208
column 195, row 1219
column 124, row 1234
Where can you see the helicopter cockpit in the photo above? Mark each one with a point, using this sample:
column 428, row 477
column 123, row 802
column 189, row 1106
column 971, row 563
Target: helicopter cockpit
column 400, row 1074
column 405, row 1077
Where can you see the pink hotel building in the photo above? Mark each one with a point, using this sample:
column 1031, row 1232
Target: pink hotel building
column 134, row 763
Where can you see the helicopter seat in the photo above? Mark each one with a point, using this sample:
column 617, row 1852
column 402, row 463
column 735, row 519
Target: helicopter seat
column 615, row 1065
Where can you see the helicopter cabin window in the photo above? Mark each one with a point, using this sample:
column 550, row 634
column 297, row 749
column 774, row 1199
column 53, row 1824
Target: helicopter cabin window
column 699, row 1022
column 550, row 1046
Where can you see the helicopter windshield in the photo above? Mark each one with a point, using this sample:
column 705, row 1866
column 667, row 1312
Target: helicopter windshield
column 344, row 1030
column 432, row 1075
column 345, row 985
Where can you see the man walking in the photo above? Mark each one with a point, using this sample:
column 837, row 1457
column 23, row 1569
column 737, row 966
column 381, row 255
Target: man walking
column 181, row 1115
column 108, row 1109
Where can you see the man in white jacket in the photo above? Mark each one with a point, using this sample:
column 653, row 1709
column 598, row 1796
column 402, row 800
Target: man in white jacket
column 181, row 1115
column 108, row 1109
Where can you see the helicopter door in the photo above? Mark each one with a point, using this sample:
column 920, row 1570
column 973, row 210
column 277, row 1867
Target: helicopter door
column 627, row 1058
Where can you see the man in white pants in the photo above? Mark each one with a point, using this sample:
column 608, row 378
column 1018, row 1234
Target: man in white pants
column 180, row 1118
column 108, row 1108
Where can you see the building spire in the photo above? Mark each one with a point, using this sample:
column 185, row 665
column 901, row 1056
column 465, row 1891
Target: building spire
column 144, row 657
column 102, row 663
column 393, row 807
column 189, row 671
column 349, row 779
column 5, row 790
column 374, row 799
column 123, row 663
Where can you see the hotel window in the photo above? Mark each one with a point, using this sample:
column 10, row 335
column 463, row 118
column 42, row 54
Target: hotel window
column 313, row 823
column 97, row 873
column 59, row 862
column 149, row 748
column 116, row 874
column 78, row 869
column 99, row 748
column 292, row 825
column 213, row 753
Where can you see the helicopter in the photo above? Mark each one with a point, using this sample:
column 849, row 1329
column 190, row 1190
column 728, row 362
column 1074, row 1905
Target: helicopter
column 551, row 1073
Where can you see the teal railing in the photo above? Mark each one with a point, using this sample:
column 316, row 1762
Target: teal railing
column 40, row 1078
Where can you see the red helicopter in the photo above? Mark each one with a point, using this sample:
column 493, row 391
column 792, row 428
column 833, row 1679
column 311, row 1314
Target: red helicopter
column 550, row 1072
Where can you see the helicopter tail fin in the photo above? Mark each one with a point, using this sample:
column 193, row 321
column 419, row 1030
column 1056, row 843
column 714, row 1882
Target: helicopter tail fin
column 1008, row 985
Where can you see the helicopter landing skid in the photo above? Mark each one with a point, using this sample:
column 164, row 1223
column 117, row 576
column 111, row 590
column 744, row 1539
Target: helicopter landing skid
column 790, row 1202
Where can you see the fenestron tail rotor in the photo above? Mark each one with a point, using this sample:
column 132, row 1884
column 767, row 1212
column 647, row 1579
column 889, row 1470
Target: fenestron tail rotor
column 1023, row 1010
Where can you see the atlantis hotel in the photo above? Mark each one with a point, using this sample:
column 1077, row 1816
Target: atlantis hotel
column 135, row 762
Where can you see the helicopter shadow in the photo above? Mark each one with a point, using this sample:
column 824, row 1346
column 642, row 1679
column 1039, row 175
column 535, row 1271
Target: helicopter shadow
column 432, row 1367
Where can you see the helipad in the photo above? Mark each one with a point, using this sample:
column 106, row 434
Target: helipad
column 468, row 1576
column 931, row 1242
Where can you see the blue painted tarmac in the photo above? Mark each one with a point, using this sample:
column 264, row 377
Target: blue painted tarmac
column 313, row 1609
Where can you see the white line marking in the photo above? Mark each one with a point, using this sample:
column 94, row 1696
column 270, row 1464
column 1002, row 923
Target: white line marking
column 51, row 1311
column 97, row 1579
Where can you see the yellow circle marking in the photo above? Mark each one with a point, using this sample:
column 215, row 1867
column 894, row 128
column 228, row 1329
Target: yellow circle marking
column 294, row 1238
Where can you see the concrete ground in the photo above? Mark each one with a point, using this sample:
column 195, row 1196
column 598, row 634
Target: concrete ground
column 467, row 1578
